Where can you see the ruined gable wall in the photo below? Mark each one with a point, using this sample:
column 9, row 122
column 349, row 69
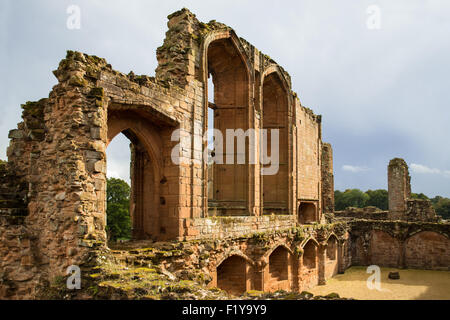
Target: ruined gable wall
column 181, row 63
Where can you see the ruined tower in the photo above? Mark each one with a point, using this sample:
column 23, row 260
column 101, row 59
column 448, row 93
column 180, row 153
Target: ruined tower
column 327, row 178
column 399, row 187
column 401, row 205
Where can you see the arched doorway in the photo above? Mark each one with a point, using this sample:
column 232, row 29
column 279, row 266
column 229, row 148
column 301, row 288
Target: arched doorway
column 142, row 187
column 307, row 213
column 309, row 271
column 232, row 275
column 229, row 189
column 150, row 200
column 275, row 117
column 331, row 263
column 279, row 274
column 310, row 255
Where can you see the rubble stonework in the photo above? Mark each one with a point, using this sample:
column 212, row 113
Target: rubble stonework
column 327, row 178
column 401, row 205
column 241, row 229
column 399, row 186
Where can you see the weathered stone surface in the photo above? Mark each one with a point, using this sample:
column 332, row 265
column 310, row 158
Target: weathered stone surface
column 252, row 231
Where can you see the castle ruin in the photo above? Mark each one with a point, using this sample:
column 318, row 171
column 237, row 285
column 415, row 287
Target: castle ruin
column 259, row 232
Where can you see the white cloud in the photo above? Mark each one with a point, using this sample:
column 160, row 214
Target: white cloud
column 354, row 169
column 419, row 168
column 118, row 170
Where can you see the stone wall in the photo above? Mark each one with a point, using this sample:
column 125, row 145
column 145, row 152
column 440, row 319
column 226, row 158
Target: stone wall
column 327, row 178
column 264, row 261
column 369, row 213
column 309, row 148
column 428, row 250
column 400, row 244
column 235, row 227
column 54, row 184
column 420, row 210
column 53, row 187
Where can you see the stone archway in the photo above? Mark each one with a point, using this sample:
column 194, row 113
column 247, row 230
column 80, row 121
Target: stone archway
column 332, row 259
column 232, row 275
column 149, row 202
column 230, row 74
column 310, row 265
column 279, row 270
column 275, row 113
column 427, row 250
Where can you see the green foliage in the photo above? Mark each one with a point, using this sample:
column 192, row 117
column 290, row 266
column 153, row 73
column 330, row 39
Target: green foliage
column 350, row 198
column 420, row 196
column 442, row 207
column 118, row 209
column 379, row 198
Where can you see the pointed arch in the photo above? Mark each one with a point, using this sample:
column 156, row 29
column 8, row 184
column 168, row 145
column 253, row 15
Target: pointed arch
column 224, row 57
column 150, row 201
column 274, row 247
column 232, row 274
column 234, row 253
column 276, row 102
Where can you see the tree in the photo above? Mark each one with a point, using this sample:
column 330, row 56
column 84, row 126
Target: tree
column 378, row 198
column 442, row 208
column 420, row 196
column 350, row 198
column 118, row 209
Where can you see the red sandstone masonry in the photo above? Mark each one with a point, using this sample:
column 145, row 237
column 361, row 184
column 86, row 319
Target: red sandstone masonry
column 54, row 184
column 59, row 149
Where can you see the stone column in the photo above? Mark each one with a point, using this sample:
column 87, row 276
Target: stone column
column 258, row 283
column 327, row 179
column 137, row 183
column 402, row 260
column 296, row 269
column 341, row 257
column 248, row 278
column 399, row 185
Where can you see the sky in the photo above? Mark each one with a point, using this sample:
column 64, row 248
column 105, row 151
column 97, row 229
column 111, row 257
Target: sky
column 377, row 71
